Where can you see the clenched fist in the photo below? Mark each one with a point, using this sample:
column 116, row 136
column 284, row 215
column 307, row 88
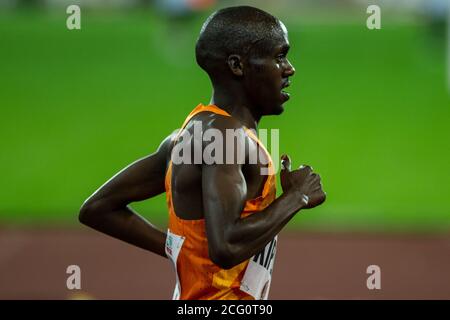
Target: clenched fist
column 303, row 182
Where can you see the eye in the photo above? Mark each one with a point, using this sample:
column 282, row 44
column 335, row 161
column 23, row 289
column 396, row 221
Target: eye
column 281, row 57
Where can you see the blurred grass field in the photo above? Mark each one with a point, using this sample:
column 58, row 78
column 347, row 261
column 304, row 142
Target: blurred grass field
column 369, row 110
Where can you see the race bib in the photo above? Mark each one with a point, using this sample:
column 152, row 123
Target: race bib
column 258, row 275
column 173, row 247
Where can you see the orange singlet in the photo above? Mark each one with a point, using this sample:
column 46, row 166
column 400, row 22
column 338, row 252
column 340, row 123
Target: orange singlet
column 187, row 247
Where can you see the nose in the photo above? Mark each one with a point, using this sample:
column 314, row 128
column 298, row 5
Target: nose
column 290, row 70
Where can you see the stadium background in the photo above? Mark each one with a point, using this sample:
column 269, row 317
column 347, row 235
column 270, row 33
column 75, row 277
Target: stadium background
column 369, row 110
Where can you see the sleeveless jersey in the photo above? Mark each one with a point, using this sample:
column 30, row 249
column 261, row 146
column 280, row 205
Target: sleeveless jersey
column 187, row 246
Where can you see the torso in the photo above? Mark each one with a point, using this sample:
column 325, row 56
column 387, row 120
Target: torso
column 187, row 243
column 187, row 178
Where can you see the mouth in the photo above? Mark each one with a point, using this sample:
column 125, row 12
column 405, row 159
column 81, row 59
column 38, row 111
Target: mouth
column 284, row 95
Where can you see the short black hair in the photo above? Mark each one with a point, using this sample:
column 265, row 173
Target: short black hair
column 234, row 30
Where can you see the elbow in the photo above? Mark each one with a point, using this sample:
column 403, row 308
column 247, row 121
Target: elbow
column 222, row 256
column 84, row 216
column 89, row 213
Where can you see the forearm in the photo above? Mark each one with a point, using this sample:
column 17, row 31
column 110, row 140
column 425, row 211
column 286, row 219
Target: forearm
column 126, row 225
column 249, row 235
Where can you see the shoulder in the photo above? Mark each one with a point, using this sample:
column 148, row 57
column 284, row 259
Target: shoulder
column 224, row 139
column 213, row 121
column 213, row 124
column 166, row 145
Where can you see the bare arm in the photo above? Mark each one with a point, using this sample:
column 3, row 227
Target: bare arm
column 107, row 209
column 233, row 239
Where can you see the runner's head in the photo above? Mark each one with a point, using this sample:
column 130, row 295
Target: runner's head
column 247, row 47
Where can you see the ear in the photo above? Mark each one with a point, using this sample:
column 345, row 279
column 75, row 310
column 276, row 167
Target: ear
column 235, row 64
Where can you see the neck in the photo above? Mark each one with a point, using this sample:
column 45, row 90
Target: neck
column 231, row 99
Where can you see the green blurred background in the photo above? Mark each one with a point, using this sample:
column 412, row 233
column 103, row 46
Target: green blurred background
column 369, row 109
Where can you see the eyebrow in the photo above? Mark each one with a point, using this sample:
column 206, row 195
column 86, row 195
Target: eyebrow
column 284, row 48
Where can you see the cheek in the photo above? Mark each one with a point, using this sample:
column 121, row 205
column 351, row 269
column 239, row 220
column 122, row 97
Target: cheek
column 264, row 81
column 268, row 77
column 272, row 84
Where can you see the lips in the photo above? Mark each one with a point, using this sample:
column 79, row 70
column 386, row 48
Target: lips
column 285, row 84
column 284, row 95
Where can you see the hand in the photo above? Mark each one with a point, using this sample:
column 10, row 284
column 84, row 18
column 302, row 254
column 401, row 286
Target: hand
column 303, row 182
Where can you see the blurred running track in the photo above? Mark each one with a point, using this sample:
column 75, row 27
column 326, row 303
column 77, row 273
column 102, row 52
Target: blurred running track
column 33, row 265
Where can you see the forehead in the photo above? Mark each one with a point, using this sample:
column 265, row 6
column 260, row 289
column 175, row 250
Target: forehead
column 284, row 31
column 280, row 38
column 272, row 40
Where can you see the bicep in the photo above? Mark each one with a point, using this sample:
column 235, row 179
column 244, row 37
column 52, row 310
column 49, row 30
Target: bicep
column 224, row 194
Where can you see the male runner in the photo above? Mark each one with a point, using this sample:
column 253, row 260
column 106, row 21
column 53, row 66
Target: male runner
column 224, row 216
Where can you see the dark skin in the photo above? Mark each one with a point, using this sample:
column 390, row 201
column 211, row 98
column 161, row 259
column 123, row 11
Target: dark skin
column 250, row 88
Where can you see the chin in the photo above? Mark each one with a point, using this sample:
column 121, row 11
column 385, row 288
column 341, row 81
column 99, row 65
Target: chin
column 278, row 110
column 273, row 109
